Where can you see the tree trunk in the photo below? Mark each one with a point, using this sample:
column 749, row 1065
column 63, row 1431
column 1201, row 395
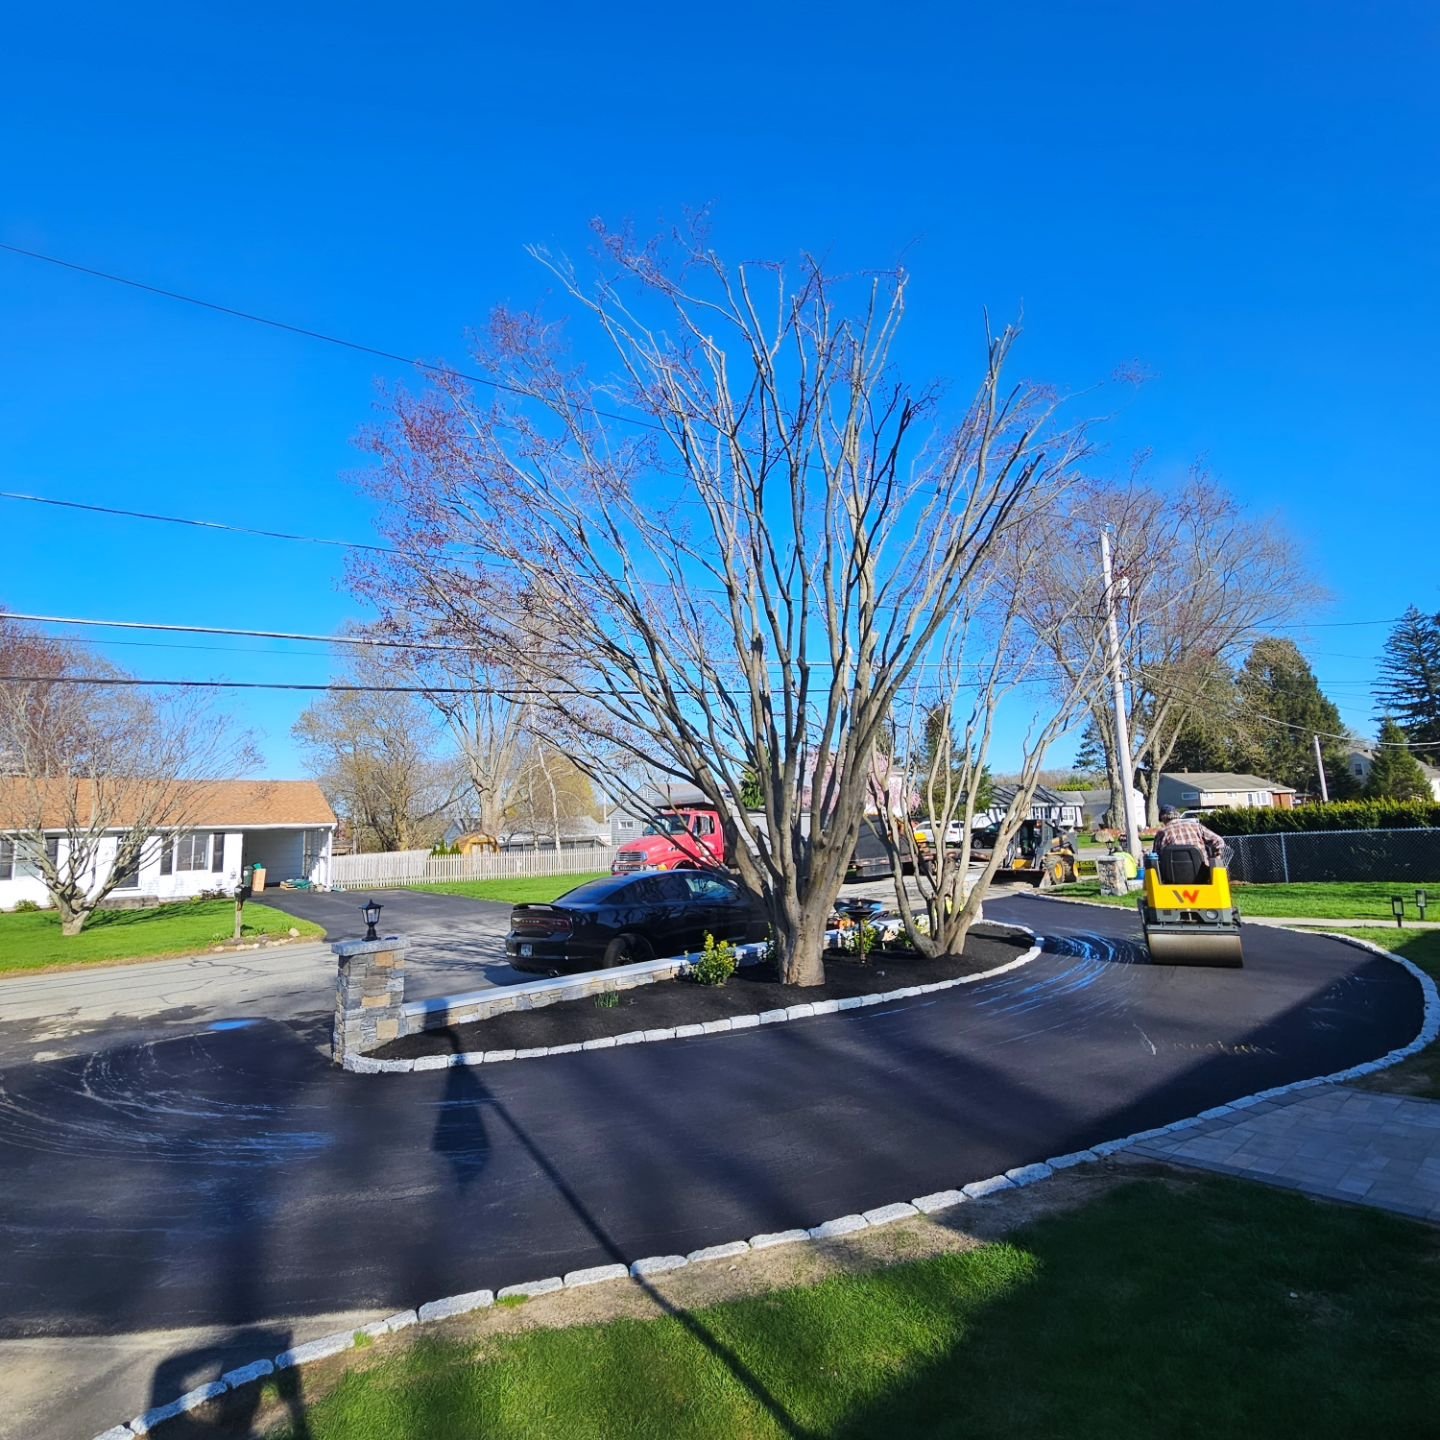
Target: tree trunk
column 72, row 921
column 800, row 940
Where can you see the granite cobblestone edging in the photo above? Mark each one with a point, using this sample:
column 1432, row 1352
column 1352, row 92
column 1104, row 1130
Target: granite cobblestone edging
column 936, row 1202
column 367, row 1065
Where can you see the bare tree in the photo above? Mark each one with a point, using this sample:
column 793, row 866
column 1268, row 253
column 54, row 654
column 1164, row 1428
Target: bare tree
column 1198, row 580
column 995, row 652
column 740, row 563
column 375, row 756
column 98, row 770
column 551, row 793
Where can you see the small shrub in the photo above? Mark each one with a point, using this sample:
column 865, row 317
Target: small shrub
column 716, row 963
column 607, row 999
column 863, row 940
column 24, row 907
column 362, row 1340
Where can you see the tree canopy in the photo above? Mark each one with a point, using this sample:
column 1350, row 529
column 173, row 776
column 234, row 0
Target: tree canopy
column 1395, row 774
column 1409, row 685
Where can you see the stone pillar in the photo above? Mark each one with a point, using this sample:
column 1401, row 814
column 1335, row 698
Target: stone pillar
column 369, row 991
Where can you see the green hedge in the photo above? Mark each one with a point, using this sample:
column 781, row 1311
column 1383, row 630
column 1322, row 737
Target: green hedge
column 1342, row 815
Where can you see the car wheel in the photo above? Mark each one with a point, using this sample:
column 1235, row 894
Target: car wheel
column 627, row 950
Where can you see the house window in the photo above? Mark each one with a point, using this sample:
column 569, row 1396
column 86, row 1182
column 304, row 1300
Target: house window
column 129, row 877
column 1359, row 770
column 192, row 851
column 7, row 859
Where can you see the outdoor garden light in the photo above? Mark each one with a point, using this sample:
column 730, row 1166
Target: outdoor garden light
column 1421, row 901
column 1397, row 908
column 371, row 911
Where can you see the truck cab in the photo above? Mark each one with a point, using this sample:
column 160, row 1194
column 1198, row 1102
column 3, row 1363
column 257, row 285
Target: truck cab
column 684, row 838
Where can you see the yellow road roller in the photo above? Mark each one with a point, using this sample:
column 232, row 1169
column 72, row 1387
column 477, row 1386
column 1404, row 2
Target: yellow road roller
column 1186, row 910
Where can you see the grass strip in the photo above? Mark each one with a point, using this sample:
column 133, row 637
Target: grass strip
column 1212, row 1307
column 514, row 890
column 32, row 940
column 1328, row 900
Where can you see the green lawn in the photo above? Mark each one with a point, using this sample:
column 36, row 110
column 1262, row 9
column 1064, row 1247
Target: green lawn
column 1419, row 1075
column 32, row 941
column 1339, row 900
column 1212, row 1308
column 517, row 890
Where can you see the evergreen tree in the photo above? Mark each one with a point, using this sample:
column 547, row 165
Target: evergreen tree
column 1395, row 774
column 1284, row 709
column 1409, row 687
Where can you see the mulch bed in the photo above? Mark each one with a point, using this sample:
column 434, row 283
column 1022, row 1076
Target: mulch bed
column 668, row 1003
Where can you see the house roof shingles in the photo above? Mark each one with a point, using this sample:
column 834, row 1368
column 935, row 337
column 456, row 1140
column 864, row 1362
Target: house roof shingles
column 1220, row 780
column 206, row 804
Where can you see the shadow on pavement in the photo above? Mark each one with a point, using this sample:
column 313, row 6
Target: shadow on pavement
column 460, row 1136
column 233, row 1415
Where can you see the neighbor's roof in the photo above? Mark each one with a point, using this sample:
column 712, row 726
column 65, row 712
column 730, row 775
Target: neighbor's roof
column 208, row 804
column 1219, row 780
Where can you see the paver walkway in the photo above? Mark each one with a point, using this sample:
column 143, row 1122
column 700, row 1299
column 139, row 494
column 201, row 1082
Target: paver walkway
column 1331, row 1141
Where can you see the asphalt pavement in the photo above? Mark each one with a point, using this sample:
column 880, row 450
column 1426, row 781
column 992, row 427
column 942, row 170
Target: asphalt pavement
column 456, row 945
column 171, row 1207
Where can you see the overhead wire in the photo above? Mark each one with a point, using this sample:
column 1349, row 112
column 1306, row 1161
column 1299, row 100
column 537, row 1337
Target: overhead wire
column 310, row 333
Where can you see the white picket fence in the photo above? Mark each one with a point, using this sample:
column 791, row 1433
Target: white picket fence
column 397, row 868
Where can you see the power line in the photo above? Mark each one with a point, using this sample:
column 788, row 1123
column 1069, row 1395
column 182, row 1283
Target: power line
column 362, row 640
column 292, row 329
column 1040, row 673
column 199, row 524
column 129, row 680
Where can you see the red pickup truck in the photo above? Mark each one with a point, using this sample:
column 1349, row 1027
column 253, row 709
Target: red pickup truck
column 680, row 839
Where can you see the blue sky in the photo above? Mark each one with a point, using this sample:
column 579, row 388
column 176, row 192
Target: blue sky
column 1244, row 199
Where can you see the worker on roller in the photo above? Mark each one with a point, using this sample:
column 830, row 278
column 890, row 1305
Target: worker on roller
column 1177, row 831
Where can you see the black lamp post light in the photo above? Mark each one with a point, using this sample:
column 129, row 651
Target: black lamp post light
column 371, row 911
column 1397, row 909
column 1421, row 901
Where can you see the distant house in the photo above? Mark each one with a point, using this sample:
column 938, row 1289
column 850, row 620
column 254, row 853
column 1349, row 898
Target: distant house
column 1062, row 808
column 285, row 825
column 1095, row 808
column 1359, row 761
column 1217, row 790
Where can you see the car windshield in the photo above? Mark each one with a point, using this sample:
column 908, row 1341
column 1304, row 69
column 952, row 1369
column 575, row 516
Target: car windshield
column 665, row 825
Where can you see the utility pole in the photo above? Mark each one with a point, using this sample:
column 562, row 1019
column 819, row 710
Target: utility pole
column 1320, row 770
column 1117, row 681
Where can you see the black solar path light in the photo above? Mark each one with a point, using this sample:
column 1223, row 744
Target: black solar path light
column 1397, row 909
column 371, row 911
column 1421, row 901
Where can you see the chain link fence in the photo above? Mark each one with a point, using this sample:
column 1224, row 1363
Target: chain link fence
column 1336, row 855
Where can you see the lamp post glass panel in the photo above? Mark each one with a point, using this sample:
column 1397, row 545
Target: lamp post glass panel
column 371, row 911
column 1397, row 908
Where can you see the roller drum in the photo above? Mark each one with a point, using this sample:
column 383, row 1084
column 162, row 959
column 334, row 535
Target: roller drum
column 1196, row 947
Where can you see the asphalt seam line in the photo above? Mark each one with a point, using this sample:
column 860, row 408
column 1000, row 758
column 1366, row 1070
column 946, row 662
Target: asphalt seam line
column 1015, row 1178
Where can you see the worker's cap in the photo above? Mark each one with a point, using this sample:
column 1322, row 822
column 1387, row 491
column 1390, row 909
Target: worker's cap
column 1169, row 812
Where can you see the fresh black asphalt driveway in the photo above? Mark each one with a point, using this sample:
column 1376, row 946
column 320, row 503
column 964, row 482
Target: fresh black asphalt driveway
column 233, row 1179
column 452, row 939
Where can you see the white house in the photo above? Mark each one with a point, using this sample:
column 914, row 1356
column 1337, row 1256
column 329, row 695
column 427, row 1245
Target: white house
column 1218, row 790
column 1358, row 762
column 1061, row 808
column 285, row 825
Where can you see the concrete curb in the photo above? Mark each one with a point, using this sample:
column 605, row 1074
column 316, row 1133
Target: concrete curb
column 842, row 1225
column 364, row 1065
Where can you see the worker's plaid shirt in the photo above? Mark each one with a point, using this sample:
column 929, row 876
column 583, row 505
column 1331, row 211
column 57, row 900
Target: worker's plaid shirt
column 1191, row 832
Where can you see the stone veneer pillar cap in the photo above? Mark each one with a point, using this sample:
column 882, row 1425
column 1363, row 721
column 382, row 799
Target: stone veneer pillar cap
column 346, row 948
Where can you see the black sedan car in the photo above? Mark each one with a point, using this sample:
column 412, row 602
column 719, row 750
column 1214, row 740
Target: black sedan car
column 623, row 919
